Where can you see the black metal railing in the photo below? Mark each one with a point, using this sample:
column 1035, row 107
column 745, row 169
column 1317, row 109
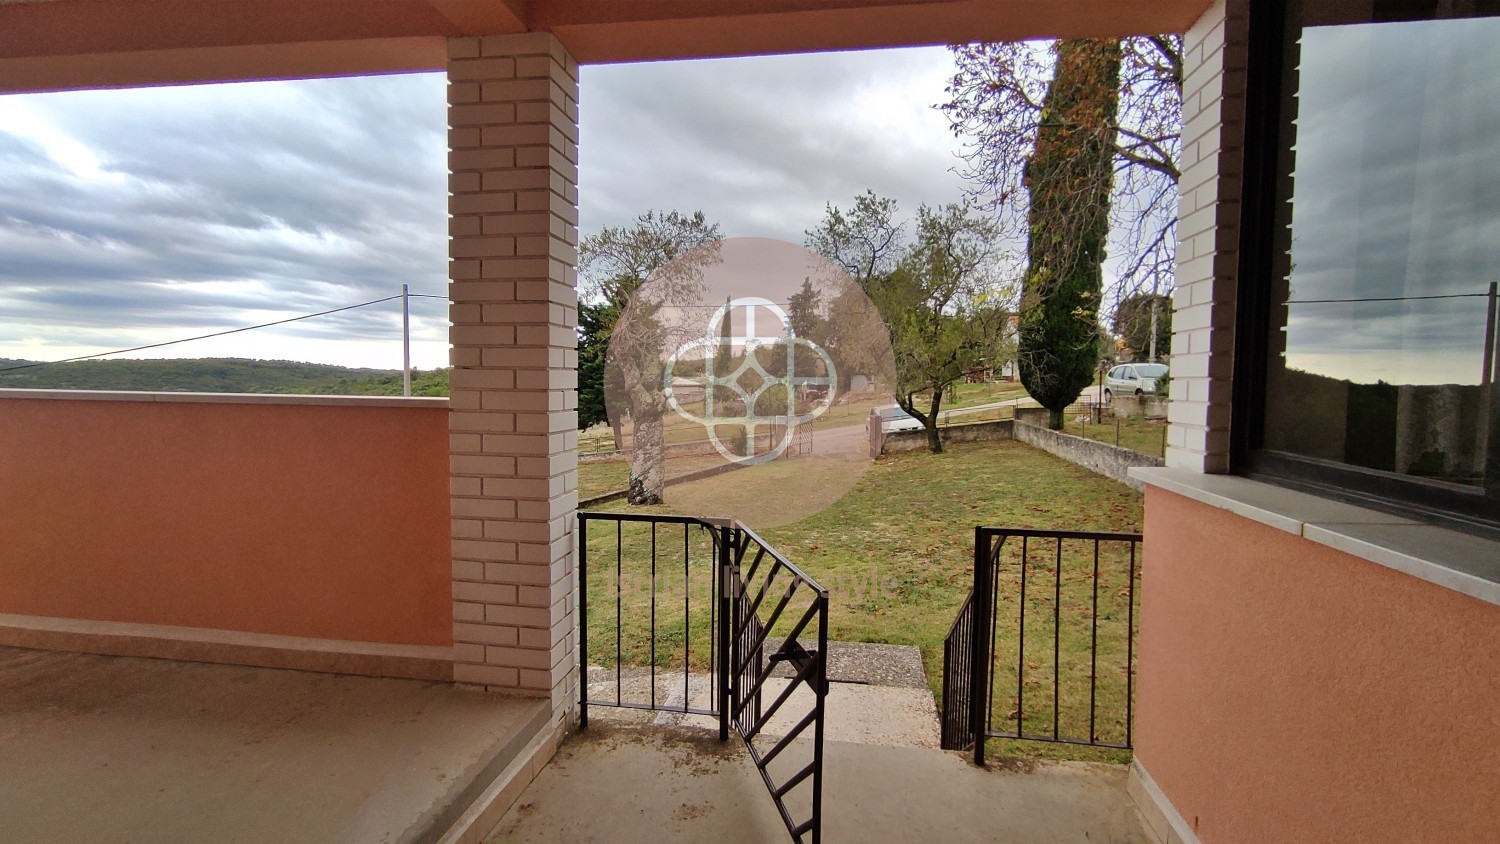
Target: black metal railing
column 710, row 600
column 957, row 726
column 771, row 595
column 1073, row 586
column 664, row 577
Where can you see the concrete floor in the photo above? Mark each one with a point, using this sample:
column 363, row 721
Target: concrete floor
column 621, row 783
column 625, row 783
column 117, row 749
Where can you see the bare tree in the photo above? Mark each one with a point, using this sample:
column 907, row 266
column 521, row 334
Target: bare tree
column 995, row 104
column 615, row 261
column 866, row 241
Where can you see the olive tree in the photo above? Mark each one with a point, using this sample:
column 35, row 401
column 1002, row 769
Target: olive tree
column 938, row 293
column 615, row 264
column 944, row 305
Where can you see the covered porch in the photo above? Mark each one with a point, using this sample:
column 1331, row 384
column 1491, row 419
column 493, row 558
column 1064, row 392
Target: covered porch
column 105, row 749
column 240, row 548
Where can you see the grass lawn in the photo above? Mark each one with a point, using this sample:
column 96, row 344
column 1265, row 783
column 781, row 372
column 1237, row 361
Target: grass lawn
column 596, row 477
column 970, row 395
column 994, row 414
column 1139, row 434
column 896, row 556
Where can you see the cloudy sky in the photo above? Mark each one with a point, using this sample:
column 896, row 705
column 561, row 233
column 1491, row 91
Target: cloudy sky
column 134, row 217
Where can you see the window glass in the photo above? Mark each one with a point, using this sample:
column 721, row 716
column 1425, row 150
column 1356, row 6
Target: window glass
column 1382, row 347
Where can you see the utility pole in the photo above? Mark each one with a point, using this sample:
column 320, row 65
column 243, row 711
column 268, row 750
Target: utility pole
column 1491, row 315
column 1155, row 299
column 1153, row 327
column 406, row 340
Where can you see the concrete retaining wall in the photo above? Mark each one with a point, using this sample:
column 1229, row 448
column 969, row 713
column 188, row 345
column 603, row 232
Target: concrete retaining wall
column 1036, row 416
column 695, row 448
column 1108, row 460
column 699, row 475
column 903, row 441
column 1125, row 407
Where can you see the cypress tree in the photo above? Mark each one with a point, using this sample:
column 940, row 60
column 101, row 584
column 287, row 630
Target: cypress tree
column 1069, row 177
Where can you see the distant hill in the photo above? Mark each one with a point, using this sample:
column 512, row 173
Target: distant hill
column 220, row 375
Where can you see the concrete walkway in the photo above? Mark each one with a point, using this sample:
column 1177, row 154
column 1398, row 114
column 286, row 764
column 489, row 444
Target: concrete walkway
column 118, row 749
column 623, row 783
column 877, row 694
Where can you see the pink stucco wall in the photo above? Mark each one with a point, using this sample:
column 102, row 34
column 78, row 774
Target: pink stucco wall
column 1290, row 692
column 313, row 520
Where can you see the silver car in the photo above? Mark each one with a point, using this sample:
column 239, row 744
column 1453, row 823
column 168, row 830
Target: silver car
column 893, row 419
column 1133, row 379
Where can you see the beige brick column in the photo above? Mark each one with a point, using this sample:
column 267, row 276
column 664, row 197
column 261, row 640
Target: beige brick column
column 513, row 134
column 1215, row 52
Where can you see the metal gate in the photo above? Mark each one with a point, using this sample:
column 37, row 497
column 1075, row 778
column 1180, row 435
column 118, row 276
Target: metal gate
column 1004, row 660
column 709, row 619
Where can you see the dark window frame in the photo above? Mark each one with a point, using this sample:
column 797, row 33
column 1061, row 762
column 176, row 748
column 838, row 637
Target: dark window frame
column 1471, row 509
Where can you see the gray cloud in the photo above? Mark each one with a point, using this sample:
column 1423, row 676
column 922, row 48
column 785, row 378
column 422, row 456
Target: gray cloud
column 761, row 144
column 162, row 213
column 131, row 216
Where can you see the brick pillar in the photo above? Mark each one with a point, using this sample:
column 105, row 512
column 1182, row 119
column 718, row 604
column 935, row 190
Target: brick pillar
column 513, row 134
column 1215, row 53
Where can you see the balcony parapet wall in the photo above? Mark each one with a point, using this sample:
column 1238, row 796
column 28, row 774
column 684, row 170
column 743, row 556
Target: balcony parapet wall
column 320, row 521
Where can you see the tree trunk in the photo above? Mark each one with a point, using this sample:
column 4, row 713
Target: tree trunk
column 934, row 441
column 617, row 429
column 647, row 462
column 1055, row 419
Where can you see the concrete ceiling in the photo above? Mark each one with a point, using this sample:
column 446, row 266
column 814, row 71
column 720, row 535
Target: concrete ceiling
column 61, row 44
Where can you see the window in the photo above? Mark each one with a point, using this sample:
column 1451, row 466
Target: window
column 1371, row 254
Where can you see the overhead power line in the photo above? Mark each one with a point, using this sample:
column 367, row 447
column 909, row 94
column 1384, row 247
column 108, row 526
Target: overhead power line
column 1387, row 299
column 217, row 333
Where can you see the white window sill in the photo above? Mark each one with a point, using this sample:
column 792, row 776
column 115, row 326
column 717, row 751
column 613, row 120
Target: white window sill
column 1448, row 558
